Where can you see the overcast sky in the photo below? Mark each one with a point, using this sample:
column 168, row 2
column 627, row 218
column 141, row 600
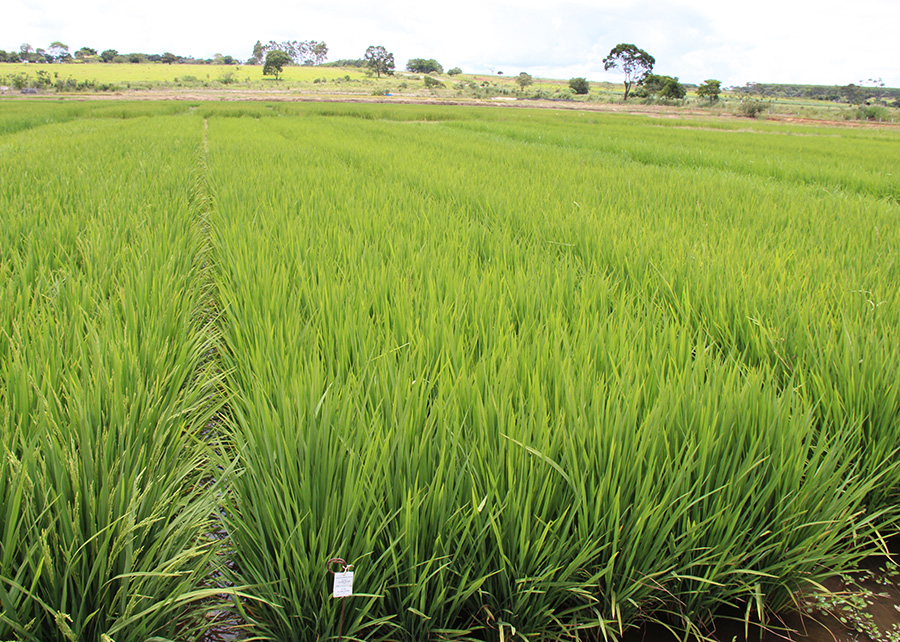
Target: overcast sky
column 826, row 42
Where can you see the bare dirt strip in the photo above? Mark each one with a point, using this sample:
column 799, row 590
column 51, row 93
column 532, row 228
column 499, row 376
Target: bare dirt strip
column 237, row 95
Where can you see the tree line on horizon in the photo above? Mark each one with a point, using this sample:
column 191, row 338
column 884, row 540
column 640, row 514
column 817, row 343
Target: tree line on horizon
column 59, row 53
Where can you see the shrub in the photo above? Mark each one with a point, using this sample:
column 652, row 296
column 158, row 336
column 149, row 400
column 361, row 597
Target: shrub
column 673, row 89
column 579, row 85
column 19, row 81
column 433, row 83
column 665, row 87
column 871, row 112
column 454, row 72
column 752, row 108
column 69, row 84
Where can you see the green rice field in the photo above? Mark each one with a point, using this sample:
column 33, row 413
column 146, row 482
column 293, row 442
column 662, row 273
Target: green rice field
column 536, row 374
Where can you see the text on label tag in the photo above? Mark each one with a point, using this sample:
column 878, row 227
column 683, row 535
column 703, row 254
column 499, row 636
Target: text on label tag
column 343, row 584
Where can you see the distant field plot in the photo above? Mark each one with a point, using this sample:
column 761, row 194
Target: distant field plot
column 536, row 375
column 126, row 76
column 118, row 73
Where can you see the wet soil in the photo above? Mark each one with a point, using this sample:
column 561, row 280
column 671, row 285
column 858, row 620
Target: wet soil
column 862, row 606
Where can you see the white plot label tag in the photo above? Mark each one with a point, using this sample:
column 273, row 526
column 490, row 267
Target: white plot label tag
column 343, row 584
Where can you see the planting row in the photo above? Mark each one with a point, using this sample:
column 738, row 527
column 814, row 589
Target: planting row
column 104, row 492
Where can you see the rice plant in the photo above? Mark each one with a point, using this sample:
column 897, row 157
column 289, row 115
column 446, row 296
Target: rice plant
column 106, row 486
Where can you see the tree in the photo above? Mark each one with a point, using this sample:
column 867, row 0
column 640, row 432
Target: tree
column 854, row 94
column 710, row 89
column 523, row 80
column 579, row 85
column 315, row 53
column 301, row 52
column 58, row 52
column 275, row 62
column 108, row 55
column 753, row 88
column 379, row 60
column 27, row 53
column 85, row 52
column 259, row 53
column 454, row 72
column 169, row 58
column 635, row 63
column 422, row 66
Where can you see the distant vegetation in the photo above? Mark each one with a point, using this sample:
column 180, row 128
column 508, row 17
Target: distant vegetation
column 59, row 53
column 636, row 64
column 56, row 68
column 854, row 94
column 350, row 77
column 345, row 62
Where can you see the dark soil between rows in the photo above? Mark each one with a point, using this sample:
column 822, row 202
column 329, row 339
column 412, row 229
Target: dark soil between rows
column 863, row 606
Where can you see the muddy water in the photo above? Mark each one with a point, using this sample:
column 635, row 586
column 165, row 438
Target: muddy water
column 862, row 607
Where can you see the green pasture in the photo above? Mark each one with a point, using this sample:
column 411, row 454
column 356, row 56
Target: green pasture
column 159, row 73
column 538, row 375
column 156, row 73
